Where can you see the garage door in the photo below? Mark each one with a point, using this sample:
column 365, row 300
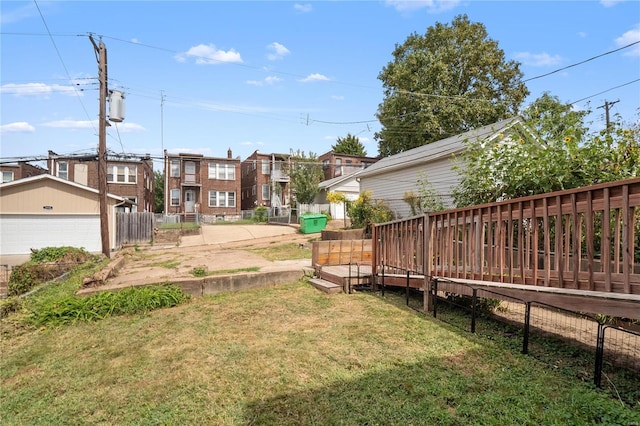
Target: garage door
column 19, row 234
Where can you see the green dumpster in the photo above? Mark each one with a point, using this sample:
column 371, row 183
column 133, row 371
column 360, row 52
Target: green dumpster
column 310, row 223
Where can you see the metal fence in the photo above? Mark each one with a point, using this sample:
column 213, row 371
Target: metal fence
column 606, row 354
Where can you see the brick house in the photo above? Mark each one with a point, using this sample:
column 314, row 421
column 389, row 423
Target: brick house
column 19, row 170
column 264, row 182
column 129, row 178
column 198, row 184
column 335, row 165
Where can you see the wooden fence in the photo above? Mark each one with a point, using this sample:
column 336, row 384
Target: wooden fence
column 585, row 239
column 134, row 228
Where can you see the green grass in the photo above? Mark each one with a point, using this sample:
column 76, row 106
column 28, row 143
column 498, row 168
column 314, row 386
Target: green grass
column 283, row 252
column 202, row 272
column 182, row 225
column 285, row 355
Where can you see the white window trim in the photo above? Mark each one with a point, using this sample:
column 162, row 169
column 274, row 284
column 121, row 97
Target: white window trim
column 218, row 198
column 171, row 198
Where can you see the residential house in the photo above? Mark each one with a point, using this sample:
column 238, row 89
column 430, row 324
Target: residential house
column 47, row 211
column 391, row 177
column 265, row 181
column 347, row 185
column 205, row 185
column 19, row 170
column 335, row 165
column 128, row 177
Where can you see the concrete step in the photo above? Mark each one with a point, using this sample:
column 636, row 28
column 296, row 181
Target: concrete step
column 326, row 286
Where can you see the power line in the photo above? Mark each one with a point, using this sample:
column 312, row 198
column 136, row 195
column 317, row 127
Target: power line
column 582, row 62
column 605, row 91
column 66, row 70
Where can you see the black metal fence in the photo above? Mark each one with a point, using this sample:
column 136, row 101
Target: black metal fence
column 587, row 345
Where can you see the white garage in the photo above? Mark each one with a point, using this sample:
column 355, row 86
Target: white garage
column 21, row 233
column 46, row 211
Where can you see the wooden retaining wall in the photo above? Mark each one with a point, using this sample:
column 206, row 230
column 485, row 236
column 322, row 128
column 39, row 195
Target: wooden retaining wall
column 341, row 252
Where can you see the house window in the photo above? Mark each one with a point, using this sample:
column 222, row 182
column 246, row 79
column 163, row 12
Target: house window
column 175, row 168
column 222, row 199
column 63, row 170
column 175, row 197
column 7, row 177
column 338, row 171
column 265, row 167
column 253, row 191
column 222, row 171
column 266, row 194
column 121, row 174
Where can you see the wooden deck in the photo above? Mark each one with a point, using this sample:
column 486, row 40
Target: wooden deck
column 346, row 277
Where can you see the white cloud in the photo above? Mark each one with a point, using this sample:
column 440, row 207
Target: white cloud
column 19, row 14
column 337, row 98
column 37, row 89
column 17, row 127
column 314, row 77
column 209, row 54
column 538, row 59
column 276, row 51
column 268, row 81
column 129, row 127
column 629, row 37
column 433, row 6
column 249, row 143
column 303, row 8
column 72, row 124
column 610, row 3
column 582, row 34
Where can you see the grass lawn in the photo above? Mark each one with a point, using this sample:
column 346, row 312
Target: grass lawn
column 284, row 355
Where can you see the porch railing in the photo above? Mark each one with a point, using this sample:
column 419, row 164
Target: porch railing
column 585, row 238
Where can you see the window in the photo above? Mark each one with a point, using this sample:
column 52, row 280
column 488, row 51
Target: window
column 266, row 194
column 175, row 197
column 222, row 171
column 7, row 177
column 189, row 168
column 63, row 170
column 338, row 171
column 121, row 174
column 265, row 167
column 175, row 168
column 222, row 199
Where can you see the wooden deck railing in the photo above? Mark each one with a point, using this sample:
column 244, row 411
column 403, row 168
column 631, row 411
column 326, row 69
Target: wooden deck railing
column 585, row 238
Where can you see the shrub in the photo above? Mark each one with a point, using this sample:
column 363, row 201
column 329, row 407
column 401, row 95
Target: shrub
column 260, row 214
column 45, row 264
column 9, row 305
column 133, row 300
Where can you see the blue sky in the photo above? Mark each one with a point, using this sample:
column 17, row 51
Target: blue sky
column 206, row 76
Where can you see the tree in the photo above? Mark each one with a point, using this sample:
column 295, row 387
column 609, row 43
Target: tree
column 349, row 145
column 158, row 191
column 364, row 212
column 446, row 82
column 559, row 154
column 305, row 173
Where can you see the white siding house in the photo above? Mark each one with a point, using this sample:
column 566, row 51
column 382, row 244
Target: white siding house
column 391, row 177
column 347, row 185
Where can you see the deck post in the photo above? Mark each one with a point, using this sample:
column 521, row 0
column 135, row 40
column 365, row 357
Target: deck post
column 527, row 321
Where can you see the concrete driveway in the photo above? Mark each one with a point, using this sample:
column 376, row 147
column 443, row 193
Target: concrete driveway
column 220, row 234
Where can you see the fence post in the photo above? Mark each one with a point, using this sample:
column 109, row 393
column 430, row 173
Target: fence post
column 473, row 310
column 597, row 375
column 382, row 284
column 434, row 287
column 525, row 338
column 407, row 291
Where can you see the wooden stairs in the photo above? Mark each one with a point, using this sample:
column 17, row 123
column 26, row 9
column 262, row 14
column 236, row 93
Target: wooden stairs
column 341, row 278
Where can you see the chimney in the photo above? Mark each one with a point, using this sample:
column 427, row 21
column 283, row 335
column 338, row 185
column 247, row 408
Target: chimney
column 229, row 155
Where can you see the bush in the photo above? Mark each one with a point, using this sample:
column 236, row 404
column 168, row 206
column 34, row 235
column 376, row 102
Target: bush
column 45, row 264
column 260, row 214
column 133, row 300
column 364, row 212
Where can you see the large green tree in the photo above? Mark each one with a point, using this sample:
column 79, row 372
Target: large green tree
column 349, row 145
column 443, row 83
column 305, row 173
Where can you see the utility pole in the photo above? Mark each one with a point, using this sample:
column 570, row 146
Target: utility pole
column 101, row 52
column 606, row 107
